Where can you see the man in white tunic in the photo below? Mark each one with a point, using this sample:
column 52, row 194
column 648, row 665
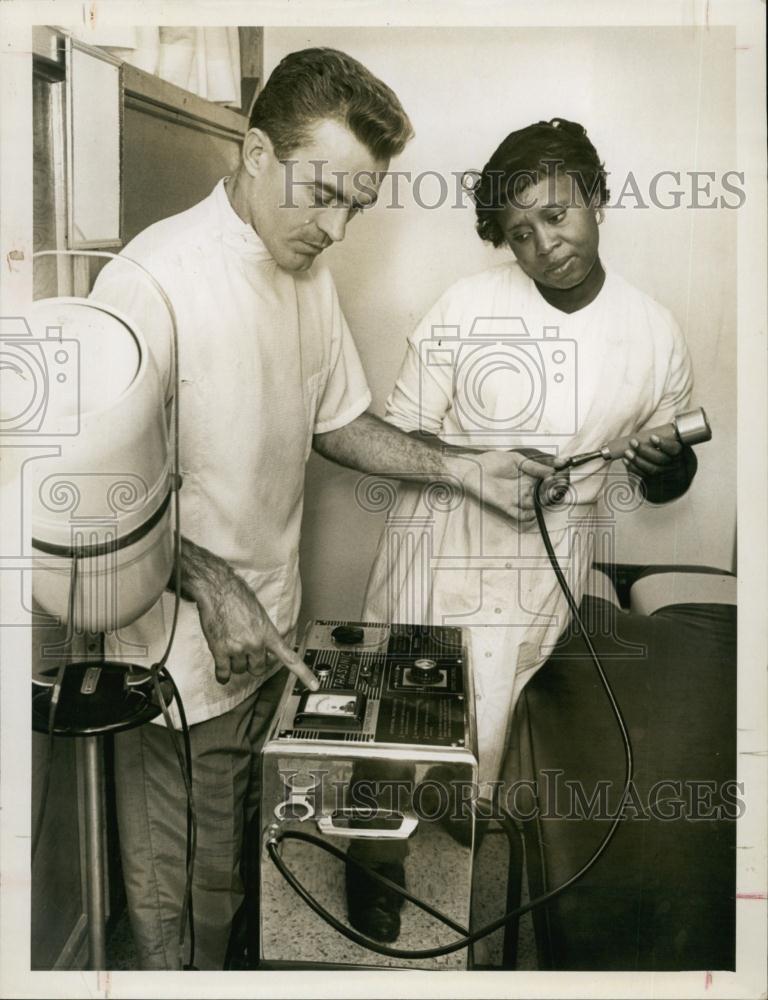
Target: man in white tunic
column 268, row 370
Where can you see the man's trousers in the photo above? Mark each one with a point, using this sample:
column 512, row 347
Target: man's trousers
column 152, row 819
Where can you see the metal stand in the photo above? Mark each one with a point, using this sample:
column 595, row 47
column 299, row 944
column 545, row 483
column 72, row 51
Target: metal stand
column 94, row 851
column 97, row 696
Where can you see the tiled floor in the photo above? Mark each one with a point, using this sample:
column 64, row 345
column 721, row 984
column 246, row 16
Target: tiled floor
column 488, row 903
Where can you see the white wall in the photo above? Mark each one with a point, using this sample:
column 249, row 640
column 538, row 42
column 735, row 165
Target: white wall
column 652, row 99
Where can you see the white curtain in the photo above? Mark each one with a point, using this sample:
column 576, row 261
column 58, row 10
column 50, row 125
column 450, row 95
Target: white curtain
column 203, row 60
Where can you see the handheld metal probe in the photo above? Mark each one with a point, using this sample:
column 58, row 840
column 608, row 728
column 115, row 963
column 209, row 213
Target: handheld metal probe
column 687, row 428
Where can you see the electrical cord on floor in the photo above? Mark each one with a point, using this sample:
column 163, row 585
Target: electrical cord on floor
column 275, row 838
column 401, row 890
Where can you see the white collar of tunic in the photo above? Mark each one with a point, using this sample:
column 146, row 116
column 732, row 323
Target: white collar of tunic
column 238, row 234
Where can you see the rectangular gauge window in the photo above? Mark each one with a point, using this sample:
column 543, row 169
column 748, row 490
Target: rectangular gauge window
column 330, row 709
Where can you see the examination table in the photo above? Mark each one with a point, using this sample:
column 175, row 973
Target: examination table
column 662, row 896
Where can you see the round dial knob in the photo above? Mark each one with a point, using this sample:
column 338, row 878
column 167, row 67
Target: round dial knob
column 348, row 635
column 426, row 671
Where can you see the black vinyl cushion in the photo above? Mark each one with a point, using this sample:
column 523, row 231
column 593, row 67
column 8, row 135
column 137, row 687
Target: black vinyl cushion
column 662, row 896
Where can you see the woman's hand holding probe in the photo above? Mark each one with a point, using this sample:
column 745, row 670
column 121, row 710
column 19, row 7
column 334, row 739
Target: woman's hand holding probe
column 654, row 457
column 665, row 467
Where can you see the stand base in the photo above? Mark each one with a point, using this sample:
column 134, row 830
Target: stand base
column 96, row 697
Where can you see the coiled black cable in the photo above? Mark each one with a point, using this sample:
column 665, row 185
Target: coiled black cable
column 466, row 940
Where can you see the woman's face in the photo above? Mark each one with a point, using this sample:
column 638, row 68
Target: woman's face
column 553, row 233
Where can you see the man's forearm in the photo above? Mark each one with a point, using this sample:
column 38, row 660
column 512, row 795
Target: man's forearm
column 369, row 444
column 240, row 635
column 503, row 480
column 202, row 572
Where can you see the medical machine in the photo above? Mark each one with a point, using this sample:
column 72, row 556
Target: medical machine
column 371, row 756
column 394, row 714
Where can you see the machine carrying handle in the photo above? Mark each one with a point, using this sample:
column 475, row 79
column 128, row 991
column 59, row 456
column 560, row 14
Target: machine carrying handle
column 365, row 823
column 687, row 428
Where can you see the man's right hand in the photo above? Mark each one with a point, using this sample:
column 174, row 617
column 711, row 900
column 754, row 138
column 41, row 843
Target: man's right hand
column 506, row 481
column 239, row 632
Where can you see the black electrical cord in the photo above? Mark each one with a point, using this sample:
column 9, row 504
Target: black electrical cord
column 342, row 856
column 184, row 756
column 274, row 841
column 185, row 762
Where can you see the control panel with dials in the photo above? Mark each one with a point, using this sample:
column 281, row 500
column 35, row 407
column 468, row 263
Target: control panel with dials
column 398, row 684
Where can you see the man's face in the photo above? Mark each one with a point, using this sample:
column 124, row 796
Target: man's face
column 302, row 205
column 553, row 233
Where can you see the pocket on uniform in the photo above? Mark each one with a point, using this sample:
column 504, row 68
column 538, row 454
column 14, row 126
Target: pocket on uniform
column 272, row 588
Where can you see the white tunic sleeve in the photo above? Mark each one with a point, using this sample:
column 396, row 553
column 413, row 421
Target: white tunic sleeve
column 345, row 394
column 123, row 286
column 677, row 375
column 423, row 392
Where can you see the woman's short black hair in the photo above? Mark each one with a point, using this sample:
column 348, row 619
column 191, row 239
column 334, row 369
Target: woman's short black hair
column 315, row 84
column 528, row 156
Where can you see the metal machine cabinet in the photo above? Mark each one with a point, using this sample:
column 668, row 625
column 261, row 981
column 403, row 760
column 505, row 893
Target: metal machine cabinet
column 371, row 758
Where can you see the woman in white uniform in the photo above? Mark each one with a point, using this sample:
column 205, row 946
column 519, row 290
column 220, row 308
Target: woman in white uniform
column 550, row 351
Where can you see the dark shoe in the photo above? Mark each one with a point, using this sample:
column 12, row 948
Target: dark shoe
column 372, row 908
column 453, row 812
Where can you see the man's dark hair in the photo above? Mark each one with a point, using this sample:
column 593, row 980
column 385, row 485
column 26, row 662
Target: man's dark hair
column 315, row 84
column 526, row 157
